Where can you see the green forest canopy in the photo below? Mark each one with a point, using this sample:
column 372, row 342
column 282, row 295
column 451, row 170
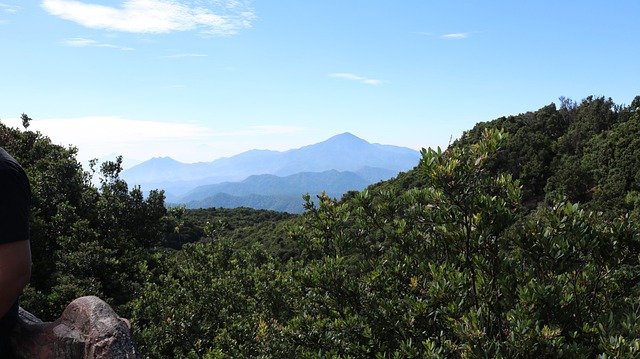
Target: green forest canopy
column 519, row 240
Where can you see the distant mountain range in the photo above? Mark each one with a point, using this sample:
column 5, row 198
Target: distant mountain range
column 264, row 179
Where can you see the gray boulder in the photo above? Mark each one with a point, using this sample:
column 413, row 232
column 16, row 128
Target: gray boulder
column 87, row 329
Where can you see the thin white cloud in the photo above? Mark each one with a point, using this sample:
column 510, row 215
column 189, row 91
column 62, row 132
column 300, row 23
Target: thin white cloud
column 347, row 76
column 79, row 42
column 456, row 36
column 115, row 47
column 83, row 42
column 113, row 129
column 97, row 136
column 371, row 82
column 11, row 9
column 212, row 17
column 353, row 77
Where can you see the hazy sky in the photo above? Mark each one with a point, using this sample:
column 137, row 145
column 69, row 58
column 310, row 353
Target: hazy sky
column 201, row 79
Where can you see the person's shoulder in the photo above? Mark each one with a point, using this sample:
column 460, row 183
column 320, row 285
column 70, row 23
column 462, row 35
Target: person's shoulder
column 11, row 172
column 6, row 159
column 7, row 162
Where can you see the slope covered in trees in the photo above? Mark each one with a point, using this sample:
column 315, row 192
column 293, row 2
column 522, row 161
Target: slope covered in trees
column 85, row 240
column 520, row 240
column 587, row 152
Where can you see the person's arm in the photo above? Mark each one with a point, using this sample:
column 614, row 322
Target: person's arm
column 15, row 272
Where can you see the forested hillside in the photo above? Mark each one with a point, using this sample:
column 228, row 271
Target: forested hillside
column 587, row 152
column 519, row 240
column 84, row 240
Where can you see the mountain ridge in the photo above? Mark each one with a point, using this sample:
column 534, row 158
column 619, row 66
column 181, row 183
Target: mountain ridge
column 275, row 162
column 272, row 192
column 365, row 162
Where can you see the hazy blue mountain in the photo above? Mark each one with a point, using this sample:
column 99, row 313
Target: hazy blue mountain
column 126, row 161
column 346, row 152
column 274, row 192
column 332, row 182
column 290, row 204
column 166, row 169
column 365, row 162
column 373, row 175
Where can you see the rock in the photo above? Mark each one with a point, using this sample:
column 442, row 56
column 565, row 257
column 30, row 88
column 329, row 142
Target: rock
column 87, row 329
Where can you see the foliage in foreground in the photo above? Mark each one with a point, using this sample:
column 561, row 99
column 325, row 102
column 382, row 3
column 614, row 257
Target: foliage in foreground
column 450, row 269
column 85, row 240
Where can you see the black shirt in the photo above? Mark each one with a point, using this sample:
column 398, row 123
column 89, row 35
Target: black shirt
column 15, row 203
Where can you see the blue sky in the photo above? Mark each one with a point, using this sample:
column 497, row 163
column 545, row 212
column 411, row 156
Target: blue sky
column 197, row 80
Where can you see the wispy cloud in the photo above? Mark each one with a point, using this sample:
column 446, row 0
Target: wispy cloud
column 353, row 77
column 79, row 42
column 84, row 42
column 96, row 136
column 455, row 36
column 9, row 8
column 212, row 17
column 113, row 129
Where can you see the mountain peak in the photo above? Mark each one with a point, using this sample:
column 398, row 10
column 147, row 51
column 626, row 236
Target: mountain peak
column 343, row 142
column 163, row 161
column 342, row 152
column 346, row 136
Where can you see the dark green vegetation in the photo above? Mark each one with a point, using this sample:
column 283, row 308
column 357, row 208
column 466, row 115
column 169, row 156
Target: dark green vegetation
column 84, row 240
column 520, row 240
